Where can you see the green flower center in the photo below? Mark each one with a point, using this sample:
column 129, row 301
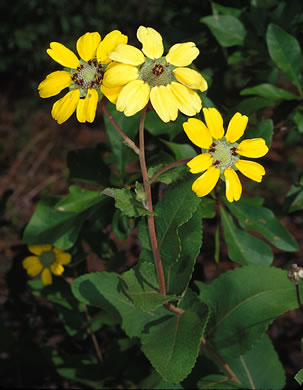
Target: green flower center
column 224, row 154
column 157, row 72
column 88, row 75
column 47, row 258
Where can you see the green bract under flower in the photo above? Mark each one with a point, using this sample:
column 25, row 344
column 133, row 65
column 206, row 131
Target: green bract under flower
column 157, row 72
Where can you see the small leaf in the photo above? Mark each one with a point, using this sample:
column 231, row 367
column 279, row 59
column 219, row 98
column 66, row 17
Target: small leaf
column 251, row 370
column 140, row 285
column 126, row 201
column 295, row 198
column 244, row 302
column 172, row 344
column 78, row 200
column 227, row 29
column 250, row 105
column 169, row 176
column 286, row 53
column 155, row 126
column 242, row 247
column 269, row 91
column 181, row 151
column 263, row 221
column 299, row 377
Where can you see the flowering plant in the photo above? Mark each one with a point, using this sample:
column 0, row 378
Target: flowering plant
column 192, row 333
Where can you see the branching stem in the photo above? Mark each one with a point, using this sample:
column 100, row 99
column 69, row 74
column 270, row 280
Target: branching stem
column 169, row 166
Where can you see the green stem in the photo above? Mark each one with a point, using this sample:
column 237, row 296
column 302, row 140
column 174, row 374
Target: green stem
column 149, row 205
column 130, row 143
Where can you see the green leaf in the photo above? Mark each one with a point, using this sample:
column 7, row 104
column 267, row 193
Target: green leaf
column 87, row 165
column 226, row 10
column 250, row 105
column 207, row 208
column 172, row 343
column 242, row 247
column 299, row 376
column 285, row 52
column 269, row 91
column 181, row 151
column 179, row 274
column 244, row 302
column 218, row 382
column 155, row 126
column 53, row 224
column 263, row 129
column 121, row 151
column 251, row 370
column 103, row 290
column 295, row 198
column 140, row 285
column 175, row 208
column 169, row 176
column 263, row 221
column 126, row 201
column 227, row 29
column 298, row 119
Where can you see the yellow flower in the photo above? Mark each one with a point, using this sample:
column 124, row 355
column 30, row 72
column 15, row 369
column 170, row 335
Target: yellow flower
column 147, row 75
column 48, row 260
column 221, row 154
column 83, row 77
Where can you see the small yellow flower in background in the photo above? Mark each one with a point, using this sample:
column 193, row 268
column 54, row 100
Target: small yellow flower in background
column 48, row 260
column 221, row 154
column 83, row 77
column 147, row 75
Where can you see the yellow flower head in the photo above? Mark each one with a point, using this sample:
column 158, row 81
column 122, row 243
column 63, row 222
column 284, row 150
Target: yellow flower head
column 48, row 260
column 147, row 75
column 84, row 77
column 221, row 155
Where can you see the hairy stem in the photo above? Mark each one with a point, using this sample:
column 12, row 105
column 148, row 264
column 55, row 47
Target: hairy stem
column 149, row 205
column 130, row 143
column 169, row 166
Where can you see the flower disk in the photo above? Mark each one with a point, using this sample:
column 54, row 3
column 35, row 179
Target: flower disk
column 221, row 154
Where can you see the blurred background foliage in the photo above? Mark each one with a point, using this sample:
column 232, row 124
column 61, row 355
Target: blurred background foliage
column 33, row 154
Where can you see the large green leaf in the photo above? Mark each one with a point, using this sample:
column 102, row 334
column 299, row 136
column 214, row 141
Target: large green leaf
column 155, row 126
column 242, row 247
column 263, row 220
column 244, row 302
column 140, row 285
column 59, row 222
column 269, row 91
column 175, row 208
column 172, row 343
column 181, row 151
column 286, row 53
column 121, row 151
column 227, row 29
column 103, row 290
column 251, row 370
column 250, row 105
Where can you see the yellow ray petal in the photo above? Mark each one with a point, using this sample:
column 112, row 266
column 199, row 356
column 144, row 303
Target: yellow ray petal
column 251, row 169
column 112, row 94
column 233, row 188
column 182, row 54
column 120, row 75
column 236, row 127
column 34, row 269
column 86, row 108
column 62, row 257
column 57, row 269
column 108, row 44
column 214, row 122
column 32, row 265
column 189, row 102
column 38, row 249
column 191, row 78
column 64, row 108
column 200, row 163
column 164, row 103
column 198, row 133
column 63, row 55
column 152, row 44
column 133, row 97
column 254, row 148
column 54, row 83
column 206, row 182
column 46, row 277
column 127, row 54
column 87, row 45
